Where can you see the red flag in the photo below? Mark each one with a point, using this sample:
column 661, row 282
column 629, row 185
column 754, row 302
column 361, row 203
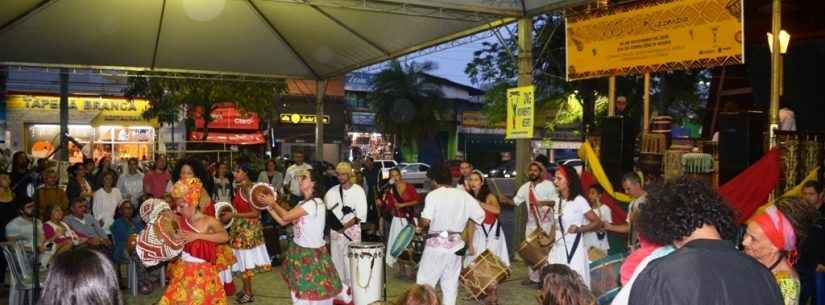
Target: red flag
column 750, row 189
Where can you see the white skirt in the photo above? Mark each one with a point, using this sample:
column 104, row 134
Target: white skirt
column 496, row 244
column 247, row 259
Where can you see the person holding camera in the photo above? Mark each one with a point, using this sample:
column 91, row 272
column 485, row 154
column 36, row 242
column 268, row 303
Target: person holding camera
column 348, row 202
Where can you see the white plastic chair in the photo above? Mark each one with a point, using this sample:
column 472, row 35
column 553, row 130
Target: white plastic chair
column 22, row 281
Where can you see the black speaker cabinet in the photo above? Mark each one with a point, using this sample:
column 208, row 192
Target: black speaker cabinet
column 616, row 152
column 741, row 142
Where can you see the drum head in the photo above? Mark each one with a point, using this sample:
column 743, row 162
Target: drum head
column 259, row 188
column 223, row 207
column 402, row 241
column 366, row 245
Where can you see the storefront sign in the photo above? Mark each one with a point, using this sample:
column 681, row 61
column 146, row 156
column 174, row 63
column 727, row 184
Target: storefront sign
column 228, row 117
column 655, row 36
column 520, row 112
column 80, row 104
column 299, row 118
column 477, row 119
column 228, row 138
column 363, row 118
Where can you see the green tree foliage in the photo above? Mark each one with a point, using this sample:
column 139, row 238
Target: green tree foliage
column 493, row 67
column 406, row 102
column 171, row 94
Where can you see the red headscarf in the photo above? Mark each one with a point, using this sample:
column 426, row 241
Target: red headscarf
column 779, row 231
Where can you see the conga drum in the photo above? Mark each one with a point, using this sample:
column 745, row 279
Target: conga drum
column 699, row 166
column 366, row 261
column 485, row 271
column 661, row 124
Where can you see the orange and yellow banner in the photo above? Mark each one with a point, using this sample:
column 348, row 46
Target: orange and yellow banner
column 655, row 36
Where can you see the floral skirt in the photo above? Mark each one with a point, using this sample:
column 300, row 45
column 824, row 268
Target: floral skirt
column 193, row 284
column 310, row 274
column 226, row 257
column 246, row 233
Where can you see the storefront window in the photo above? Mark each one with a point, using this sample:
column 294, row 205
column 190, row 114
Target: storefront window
column 116, row 141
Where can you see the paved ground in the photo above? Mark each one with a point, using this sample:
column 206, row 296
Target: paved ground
column 270, row 289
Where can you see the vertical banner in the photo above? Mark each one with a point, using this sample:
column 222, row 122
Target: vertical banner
column 520, row 112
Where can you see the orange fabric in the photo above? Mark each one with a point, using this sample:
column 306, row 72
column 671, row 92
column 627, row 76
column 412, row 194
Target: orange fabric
column 751, row 188
column 194, row 284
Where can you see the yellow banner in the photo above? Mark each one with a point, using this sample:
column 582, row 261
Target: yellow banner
column 299, row 118
column 655, row 36
column 118, row 106
column 589, row 156
column 520, row 112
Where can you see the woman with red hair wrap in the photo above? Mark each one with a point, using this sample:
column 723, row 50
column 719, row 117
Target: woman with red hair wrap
column 196, row 280
column 772, row 239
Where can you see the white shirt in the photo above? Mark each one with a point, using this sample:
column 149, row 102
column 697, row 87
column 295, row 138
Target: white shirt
column 21, row 230
column 309, row 229
column 449, row 208
column 289, row 179
column 544, row 191
column 603, row 212
column 131, row 185
column 572, row 213
column 354, row 197
column 104, row 207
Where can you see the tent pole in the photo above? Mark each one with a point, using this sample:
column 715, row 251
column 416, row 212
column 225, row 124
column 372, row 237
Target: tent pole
column 776, row 65
column 611, row 99
column 525, row 78
column 64, row 114
column 646, row 116
column 320, row 89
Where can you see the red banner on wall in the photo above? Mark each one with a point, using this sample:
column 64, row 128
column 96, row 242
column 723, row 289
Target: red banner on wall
column 229, row 138
column 228, row 117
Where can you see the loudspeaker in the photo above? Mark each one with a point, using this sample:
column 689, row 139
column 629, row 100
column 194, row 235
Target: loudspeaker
column 741, row 142
column 616, row 151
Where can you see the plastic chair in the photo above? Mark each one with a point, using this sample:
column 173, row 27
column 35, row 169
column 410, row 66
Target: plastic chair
column 132, row 279
column 22, row 283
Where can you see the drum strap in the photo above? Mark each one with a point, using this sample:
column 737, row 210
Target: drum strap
column 487, row 232
column 575, row 243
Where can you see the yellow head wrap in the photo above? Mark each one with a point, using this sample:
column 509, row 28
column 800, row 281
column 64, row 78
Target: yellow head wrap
column 188, row 191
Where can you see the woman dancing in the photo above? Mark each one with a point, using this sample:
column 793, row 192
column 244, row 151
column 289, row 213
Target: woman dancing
column 487, row 235
column 246, row 235
column 308, row 268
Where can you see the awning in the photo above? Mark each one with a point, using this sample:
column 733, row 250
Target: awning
column 316, row 39
column 121, row 119
column 229, row 138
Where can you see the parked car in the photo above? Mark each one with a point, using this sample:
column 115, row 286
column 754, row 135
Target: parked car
column 504, row 170
column 385, row 166
column 415, row 173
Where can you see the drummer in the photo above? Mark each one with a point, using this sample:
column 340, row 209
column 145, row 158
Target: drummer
column 246, row 235
column 348, row 202
column 541, row 196
column 399, row 200
column 308, row 269
column 487, row 235
column 446, row 212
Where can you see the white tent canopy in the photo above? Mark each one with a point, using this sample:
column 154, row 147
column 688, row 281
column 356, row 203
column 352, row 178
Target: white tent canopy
column 310, row 39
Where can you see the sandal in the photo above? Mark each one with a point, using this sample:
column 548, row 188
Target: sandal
column 246, row 298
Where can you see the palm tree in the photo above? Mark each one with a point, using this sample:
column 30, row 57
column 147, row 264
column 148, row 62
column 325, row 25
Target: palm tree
column 406, row 102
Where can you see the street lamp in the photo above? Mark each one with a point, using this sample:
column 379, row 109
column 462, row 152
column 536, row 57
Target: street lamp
column 784, row 39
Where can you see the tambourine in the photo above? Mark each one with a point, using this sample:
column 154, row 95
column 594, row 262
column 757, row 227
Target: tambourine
column 261, row 188
column 223, row 207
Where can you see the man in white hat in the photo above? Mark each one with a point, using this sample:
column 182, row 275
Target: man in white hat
column 348, row 202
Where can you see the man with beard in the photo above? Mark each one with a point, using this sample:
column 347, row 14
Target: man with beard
column 20, row 228
column 540, row 196
column 348, row 202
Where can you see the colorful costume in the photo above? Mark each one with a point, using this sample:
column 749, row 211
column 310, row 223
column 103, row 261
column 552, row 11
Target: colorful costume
column 308, row 268
column 226, row 257
column 195, row 279
column 247, row 239
column 781, row 234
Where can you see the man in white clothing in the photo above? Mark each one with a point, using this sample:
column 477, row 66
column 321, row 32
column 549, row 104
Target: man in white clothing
column 446, row 211
column 348, row 202
column 290, row 182
column 541, row 196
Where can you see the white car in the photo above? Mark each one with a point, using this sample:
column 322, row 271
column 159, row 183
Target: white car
column 415, row 173
column 385, row 166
